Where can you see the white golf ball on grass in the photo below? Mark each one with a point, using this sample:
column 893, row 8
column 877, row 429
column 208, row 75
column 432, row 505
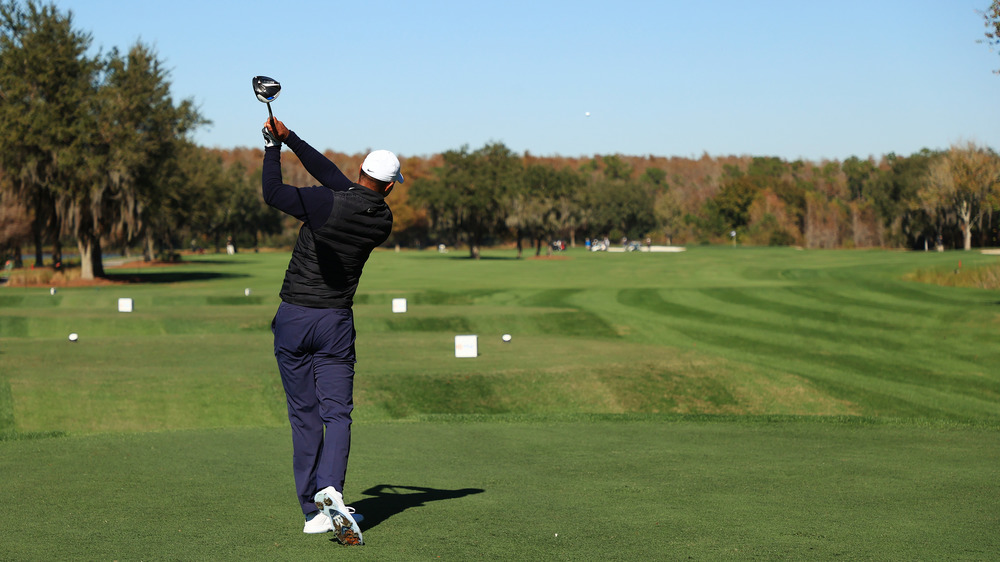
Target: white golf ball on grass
column 73, row 337
column 505, row 338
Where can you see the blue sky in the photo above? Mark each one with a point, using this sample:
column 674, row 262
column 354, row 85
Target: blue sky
column 793, row 79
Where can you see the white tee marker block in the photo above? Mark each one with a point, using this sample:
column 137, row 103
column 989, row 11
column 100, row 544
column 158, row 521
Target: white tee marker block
column 124, row 304
column 398, row 305
column 466, row 346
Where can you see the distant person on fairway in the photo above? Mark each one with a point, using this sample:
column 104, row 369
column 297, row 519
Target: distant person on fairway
column 342, row 222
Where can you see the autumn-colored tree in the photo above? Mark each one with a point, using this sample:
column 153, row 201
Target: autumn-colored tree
column 769, row 222
column 963, row 181
column 931, row 197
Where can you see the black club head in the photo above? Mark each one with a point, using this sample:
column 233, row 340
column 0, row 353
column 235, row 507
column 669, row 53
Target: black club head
column 265, row 88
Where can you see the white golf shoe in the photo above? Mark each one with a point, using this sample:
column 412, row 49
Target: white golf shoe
column 317, row 522
column 345, row 528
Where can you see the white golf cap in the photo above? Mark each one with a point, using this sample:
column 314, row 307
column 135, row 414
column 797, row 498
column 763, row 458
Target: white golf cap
column 383, row 166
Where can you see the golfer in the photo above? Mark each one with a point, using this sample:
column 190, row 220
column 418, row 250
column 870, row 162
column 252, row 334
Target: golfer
column 342, row 222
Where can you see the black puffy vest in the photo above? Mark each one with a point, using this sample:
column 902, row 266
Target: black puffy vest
column 326, row 263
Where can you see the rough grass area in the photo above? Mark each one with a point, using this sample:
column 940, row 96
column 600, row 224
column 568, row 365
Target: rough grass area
column 979, row 277
column 37, row 277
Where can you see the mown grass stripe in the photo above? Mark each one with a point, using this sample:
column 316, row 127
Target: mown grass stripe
column 6, row 406
column 834, row 297
column 924, row 296
column 13, row 326
column 730, row 324
column 782, row 307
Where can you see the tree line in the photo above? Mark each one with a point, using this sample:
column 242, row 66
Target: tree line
column 931, row 199
column 99, row 155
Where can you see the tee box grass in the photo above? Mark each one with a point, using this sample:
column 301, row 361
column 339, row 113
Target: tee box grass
column 720, row 403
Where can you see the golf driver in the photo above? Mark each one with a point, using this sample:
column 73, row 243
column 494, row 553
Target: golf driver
column 267, row 89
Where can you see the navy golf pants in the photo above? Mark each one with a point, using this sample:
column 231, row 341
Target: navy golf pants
column 315, row 352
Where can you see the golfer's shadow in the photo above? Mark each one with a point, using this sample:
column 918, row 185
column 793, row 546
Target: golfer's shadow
column 388, row 500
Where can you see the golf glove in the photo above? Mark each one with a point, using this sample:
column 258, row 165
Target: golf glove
column 269, row 140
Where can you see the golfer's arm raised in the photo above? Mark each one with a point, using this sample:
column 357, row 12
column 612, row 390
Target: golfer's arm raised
column 311, row 205
column 318, row 166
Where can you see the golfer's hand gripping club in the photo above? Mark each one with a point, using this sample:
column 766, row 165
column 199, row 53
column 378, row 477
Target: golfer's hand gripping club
column 275, row 132
column 269, row 140
column 278, row 129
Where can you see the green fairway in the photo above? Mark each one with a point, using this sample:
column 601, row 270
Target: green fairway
column 720, row 403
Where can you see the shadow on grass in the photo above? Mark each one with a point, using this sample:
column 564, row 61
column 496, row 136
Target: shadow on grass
column 171, row 276
column 209, row 261
column 483, row 258
column 389, row 500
